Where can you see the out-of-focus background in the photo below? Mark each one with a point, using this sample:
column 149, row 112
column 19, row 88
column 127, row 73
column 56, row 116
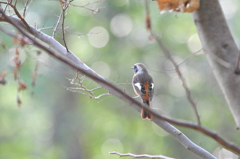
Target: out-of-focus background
column 55, row 123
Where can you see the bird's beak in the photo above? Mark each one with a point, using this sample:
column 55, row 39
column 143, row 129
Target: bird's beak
column 132, row 67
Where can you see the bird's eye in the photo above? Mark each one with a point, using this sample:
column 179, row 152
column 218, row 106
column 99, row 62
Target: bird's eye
column 135, row 69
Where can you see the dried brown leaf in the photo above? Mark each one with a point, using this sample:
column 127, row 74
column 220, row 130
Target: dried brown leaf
column 21, row 86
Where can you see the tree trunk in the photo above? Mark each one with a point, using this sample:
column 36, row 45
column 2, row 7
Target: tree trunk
column 221, row 51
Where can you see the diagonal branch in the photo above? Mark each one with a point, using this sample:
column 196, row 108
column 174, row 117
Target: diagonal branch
column 58, row 21
column 170, row 58
column 13, row 6
column 59, row 52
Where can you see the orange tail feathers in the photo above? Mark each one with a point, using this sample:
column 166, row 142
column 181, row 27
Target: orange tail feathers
column 144, row 114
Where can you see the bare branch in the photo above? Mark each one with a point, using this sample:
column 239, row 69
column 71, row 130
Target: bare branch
column 16, row 12
column 137, row 105
column 81, row 87
column 186, row 59
column 177, row 69
column 80, row 34
column 140, row 156
column 94, row 11
column 25, row 7
column 64, row 8
column 59, row 52
column 59, row 18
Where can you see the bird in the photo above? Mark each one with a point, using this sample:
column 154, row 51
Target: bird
column 143, row 86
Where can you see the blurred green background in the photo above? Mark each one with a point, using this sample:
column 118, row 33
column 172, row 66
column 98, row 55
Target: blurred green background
column 53, row 123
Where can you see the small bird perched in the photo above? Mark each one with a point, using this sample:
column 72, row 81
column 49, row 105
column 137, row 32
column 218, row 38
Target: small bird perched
column 142, row 83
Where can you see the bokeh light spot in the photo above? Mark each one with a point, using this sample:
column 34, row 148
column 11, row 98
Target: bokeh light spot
column 222, row 153
column 114, row 129
column 139, row 37
column 175, row 87
column 229, row 8
column 119, row 3
column 111, row 145
column 121, row 25
column 33, row 18
column 194, row 43
column 99, row 37
column 101, row 68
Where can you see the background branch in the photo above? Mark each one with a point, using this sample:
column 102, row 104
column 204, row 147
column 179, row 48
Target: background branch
column 170, row 58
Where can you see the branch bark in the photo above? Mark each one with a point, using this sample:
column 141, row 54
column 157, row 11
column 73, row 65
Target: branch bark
column 221, row 51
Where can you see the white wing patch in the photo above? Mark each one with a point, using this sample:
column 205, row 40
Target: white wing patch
column 138, row 85
column 152, row 85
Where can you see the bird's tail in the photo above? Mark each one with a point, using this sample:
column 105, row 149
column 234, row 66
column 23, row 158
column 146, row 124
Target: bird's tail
column 146, row 115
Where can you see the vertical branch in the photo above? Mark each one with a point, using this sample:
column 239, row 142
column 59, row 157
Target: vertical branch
column 15, row 3
column 170, row 58
column 64, row 8
column 25, row 8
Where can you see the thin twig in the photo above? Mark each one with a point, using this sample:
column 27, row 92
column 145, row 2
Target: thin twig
column 221, row 61
column 187, row 58
column 80, row 34
column 184, row 60
column 71, row 89
column 88, row 3
column 63, row 30
column 94, row 11
column 81, row 87
column 15, row 3
column 56, row 27
column 177, row 69
column 16, row 12
column 140, row 156
column 25, row 7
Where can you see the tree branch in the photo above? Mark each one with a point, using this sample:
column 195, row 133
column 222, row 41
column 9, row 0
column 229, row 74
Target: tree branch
column 63, row 14
column 58, row 21
column 13, row 6
column 170, row 58
column 59, row 52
